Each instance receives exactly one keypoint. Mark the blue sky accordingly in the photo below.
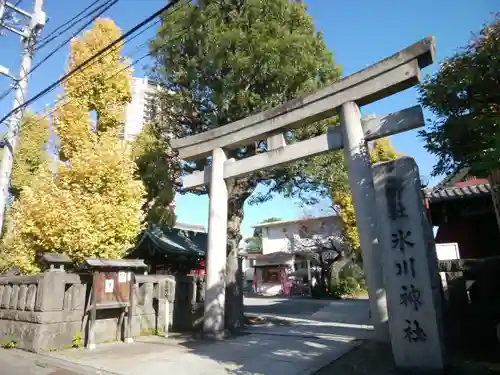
(359, 32)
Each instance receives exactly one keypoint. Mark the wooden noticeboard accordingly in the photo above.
(112, 287)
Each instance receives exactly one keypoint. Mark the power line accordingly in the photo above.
(90, 59)
(6, 92)
(68, 21)
(137, 48)
(61, 45)
(29, 36)
(65, 103)
(50, 37)
(106, 6)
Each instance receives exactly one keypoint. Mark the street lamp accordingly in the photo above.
(5, 72)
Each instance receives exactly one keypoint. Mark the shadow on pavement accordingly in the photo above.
(269, 354)
(300, 347)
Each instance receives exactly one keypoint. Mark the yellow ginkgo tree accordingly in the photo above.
(31, 152)
(91, 205)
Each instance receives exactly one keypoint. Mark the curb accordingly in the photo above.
(45, 360)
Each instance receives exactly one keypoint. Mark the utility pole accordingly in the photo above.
(28, 39)
(2, 10)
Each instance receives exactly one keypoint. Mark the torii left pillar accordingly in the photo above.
(213, 323)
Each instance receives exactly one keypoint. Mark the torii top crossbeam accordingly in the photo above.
(384, 78)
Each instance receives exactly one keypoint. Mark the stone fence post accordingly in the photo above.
(51, 288)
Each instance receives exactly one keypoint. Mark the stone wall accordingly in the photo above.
(47, 311)
(471, 291)
(189, 298)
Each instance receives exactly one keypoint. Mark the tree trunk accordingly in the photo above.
(337, 267)
(238, 193)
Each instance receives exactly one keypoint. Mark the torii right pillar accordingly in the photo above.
(357, 159)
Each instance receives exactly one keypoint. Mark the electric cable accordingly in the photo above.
(66, 41)
(65, 103)
(79, 67)
(106, 6)
(68, 25)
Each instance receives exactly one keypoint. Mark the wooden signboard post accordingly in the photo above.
(112, 288)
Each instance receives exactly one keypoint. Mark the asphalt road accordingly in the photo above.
(295, 307)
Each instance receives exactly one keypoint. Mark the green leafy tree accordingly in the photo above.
(158, 168)
(253, 244)
(228, 59)
(463, 95)
(92, 206)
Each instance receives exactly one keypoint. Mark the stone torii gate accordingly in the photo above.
(389, 76)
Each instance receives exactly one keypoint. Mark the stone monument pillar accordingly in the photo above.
(409, 264)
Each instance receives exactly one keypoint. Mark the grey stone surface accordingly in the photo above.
(7, 289)
(374, 127)
(360, 177)
(23, 293)
(31, 297)
(215, 288)
(365, 86)
(16, 362)
(46, 311)
(410, 267)
(294, 307)
(14, 295)
(256, 353)
(299, 348)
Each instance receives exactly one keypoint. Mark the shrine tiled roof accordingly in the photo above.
(173, 241)
(457, 192)
(461, 184)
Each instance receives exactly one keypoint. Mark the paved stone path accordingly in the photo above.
(263, 353)
(300, 348)
(316, 333)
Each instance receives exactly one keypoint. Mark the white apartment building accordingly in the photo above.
(141, 108)
(286, 246)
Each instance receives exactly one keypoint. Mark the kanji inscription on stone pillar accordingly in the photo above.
(409, 267)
